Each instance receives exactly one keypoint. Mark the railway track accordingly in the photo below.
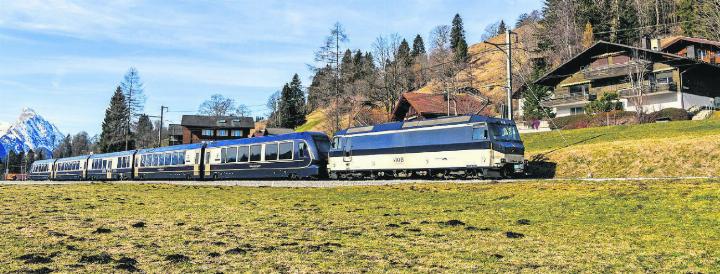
(346, 183)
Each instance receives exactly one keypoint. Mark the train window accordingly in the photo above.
(255, 153)
(479, 133)
(286, 151)
(243, 154)
(175, 161)
(302, 150)
(336, 143)
(223, 155)
(232, 155)
(207, 157)
(322, 143)
(153, 159)
(197, 158)
(271, 152)
(168, 159)
(181, 158)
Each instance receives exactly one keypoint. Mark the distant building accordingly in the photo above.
(272, 131)
(198, 129)
(700, 49)
(175, 133)
(420, 106)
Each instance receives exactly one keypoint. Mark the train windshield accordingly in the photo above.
(504, 132)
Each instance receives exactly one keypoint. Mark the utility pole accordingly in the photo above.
(508, 41)
(162, 112)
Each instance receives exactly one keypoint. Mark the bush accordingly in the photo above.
(571, 122)
(672, 114)
(617, 117)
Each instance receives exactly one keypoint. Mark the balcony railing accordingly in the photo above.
(615, 70)
(565, 99)
(649, 90)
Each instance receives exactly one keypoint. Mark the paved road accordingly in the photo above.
(328, 183)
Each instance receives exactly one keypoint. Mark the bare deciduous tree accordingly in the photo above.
(217, 105)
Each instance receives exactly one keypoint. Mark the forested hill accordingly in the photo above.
(362, 86)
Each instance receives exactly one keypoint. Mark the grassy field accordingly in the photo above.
(684, 148)
(663, 226)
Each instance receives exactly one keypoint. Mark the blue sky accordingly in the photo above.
(64, 59)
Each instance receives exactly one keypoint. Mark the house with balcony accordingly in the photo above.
(199, 128)
(646, 80)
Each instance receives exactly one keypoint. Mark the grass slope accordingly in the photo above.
(662, 226)
(684, 148)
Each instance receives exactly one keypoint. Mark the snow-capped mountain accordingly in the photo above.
(4, 127)
(30, 131)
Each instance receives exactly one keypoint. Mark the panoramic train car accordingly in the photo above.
(166, 163)
(293, 156)
(42, 170)
(454, 147)
(73, 168)
(111, 166)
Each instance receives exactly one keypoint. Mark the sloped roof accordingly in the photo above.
(682, 40)
(175, 129)
(573, 65)
(436, 104)
(217, 121)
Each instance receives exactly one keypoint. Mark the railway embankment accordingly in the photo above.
(683, 148)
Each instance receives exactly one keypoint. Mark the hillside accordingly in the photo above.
(684, 148)
(486, 72)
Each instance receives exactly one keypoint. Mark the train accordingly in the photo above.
(469, 146)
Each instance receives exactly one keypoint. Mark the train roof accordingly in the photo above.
(46, 161)
(113, 154)
(425, 123)
(76, 158)
(171, 148)
(254, 140)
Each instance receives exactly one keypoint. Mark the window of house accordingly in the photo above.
(577, 110)
(255, 153)
(271, 152)
(286, 151)
(579, 89)
(232, 155)
(207, 132)
(243, 154)
(664, 77)
(701, 54)
(236, 133)
(222, 132)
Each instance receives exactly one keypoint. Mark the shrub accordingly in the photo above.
(617, 117)
(571, 122)
(672, 114)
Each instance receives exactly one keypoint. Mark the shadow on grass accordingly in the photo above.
(539, 165)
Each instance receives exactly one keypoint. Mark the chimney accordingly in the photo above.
(655, 44)
(645, 42)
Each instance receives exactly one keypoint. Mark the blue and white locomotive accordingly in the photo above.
(469, 146)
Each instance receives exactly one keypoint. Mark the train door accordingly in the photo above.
(347, 150)
(108, 170)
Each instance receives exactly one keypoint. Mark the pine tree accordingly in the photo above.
(134, 93)
(292, 104)
(418, 47)
(16, 167)
(588, 37)
(534, 94)
(112, 138)
(687, 15)
(457, 40)
(30, 158)
(403, 54)
(144, 132)
(628, 23)
(502, 28)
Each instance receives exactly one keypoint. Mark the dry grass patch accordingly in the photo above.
(665, 226)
